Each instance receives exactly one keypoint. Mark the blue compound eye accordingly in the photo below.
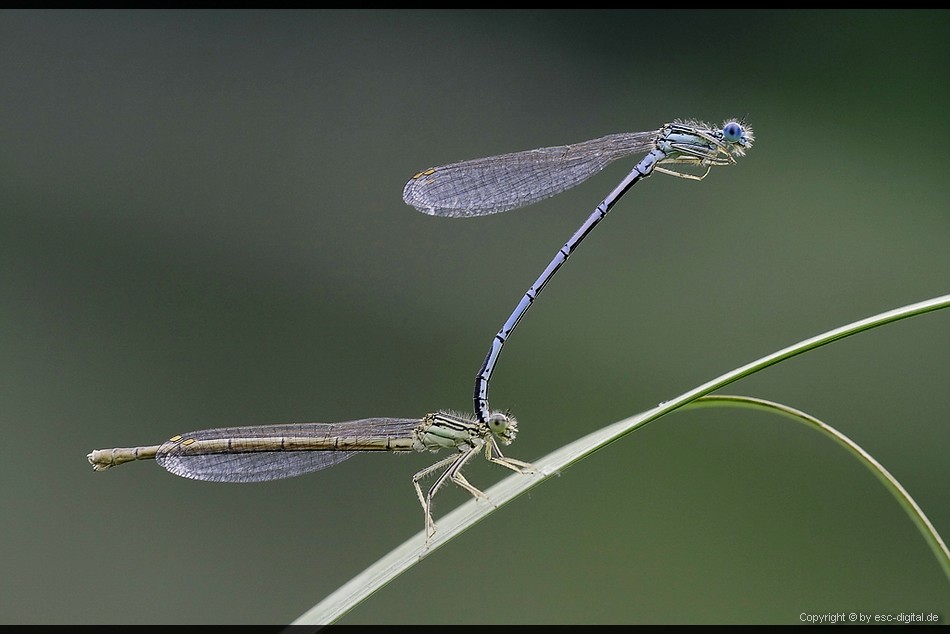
(732, 132)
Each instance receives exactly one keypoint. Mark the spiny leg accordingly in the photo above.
(693, 177)
(493, 454)
(455, 474)
(429, 524)
(451, 473)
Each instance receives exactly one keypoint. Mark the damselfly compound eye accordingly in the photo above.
(732, 132)
(498, 423)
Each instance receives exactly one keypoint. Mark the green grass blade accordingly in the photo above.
(469, 513)
(916, 514)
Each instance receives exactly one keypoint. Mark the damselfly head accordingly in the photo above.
(503, 425)
(738, 135)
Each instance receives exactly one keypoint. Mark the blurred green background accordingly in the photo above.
(201, 225)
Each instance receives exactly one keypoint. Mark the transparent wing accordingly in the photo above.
(498, 183)
(267, 461)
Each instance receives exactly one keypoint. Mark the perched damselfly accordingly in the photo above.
(494, 184)
(271, 452)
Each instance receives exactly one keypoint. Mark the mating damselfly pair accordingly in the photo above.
(459, 190)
